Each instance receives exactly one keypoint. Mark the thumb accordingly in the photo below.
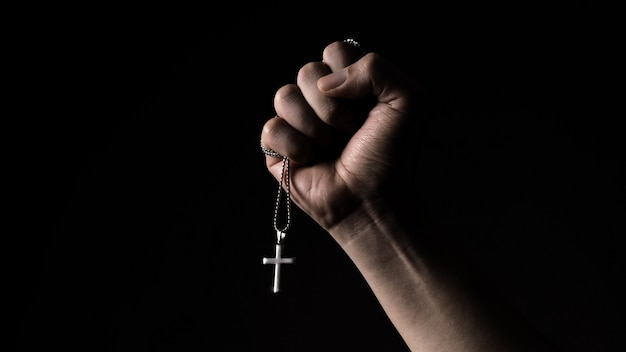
(388, 129)
(371, 76)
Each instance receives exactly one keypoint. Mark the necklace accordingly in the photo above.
(281, 232)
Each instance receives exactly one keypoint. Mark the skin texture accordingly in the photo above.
(348, 124)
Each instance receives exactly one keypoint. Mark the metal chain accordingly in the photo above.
(284, 176)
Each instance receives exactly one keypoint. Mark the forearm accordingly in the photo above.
(432, 305)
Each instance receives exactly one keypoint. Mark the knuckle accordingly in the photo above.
(311, 71)
(332, 48)
(270, 128)
(371, 60)
(286, 95)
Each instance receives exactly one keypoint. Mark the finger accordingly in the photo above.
(333, 112)
(340, 54)
(293, 108)
(285, 140)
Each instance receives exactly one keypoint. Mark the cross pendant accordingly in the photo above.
(277, 261)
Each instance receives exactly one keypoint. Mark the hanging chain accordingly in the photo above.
(286, 191)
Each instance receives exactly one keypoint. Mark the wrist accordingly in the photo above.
(369, 235)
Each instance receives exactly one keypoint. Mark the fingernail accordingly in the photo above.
(332, 80)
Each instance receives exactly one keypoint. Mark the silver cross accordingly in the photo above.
(278, 260)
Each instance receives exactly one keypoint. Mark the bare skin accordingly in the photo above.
(349, 125)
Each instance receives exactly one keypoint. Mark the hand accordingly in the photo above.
(350, 160)
(354, 175)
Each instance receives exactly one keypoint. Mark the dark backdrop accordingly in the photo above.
(144, 207)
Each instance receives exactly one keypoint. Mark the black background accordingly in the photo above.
(144, 207)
